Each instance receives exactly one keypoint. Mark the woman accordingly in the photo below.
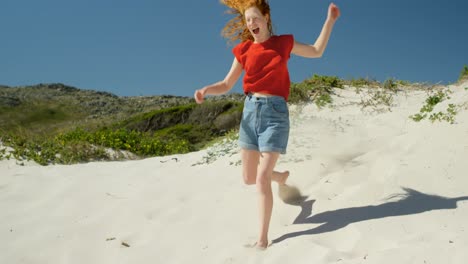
(264, 128)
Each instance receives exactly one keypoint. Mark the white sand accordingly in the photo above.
(352, 169)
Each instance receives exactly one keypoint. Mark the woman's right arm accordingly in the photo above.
(221, 87)
(317, 50)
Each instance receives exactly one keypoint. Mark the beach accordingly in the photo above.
(367, 184)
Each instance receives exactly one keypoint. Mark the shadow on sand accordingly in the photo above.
(409, 202)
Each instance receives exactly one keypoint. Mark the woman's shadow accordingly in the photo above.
(409, 202)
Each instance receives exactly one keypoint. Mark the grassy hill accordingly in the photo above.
(56, 123)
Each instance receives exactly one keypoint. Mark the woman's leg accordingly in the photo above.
(250, 163)
(250, 159)
(264, 177)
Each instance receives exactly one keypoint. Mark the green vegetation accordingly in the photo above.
(317, 89)
(390, 84)
(464, 73)
(80, 145)
(427, 109)
(57, 124)
(379, 99)
(363, 82)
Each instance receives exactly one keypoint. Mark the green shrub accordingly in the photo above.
(325, 81)
(80, 145)
(390, 84)
(428, 107)
(463, 73)
(380, 100)
(207, 112)
(317, 89)
(322, 99)
(196, 136)
(159, 119)
(299, 93)
(228, 120)
(362, 82)
(448, 117)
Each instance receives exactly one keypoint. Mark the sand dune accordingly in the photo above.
(367, 185)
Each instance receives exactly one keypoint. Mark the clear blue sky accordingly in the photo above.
(153, 47)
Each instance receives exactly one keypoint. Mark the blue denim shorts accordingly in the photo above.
(265, 124)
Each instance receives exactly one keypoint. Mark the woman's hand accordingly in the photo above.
(333, 12)
(199, 96)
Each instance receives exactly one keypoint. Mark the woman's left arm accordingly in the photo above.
(317, 50)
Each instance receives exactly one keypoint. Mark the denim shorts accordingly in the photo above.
(265, 124)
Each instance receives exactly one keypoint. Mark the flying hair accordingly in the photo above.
(236, 28)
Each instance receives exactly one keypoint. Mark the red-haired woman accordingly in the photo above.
(264, 128)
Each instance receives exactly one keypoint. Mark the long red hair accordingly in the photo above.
(236, 28)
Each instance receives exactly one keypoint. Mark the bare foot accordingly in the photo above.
(258, 245)
(261, 245)
(280, 177)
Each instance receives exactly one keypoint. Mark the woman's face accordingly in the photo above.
(257, 24)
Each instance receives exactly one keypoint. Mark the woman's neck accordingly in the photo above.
(262, 38)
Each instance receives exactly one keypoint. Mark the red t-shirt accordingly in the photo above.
(265, 65)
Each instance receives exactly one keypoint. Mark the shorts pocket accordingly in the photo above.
(280, 107)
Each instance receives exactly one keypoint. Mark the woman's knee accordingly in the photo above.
(263, 179)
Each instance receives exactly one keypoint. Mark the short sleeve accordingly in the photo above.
(237, 52)
(288, 43)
